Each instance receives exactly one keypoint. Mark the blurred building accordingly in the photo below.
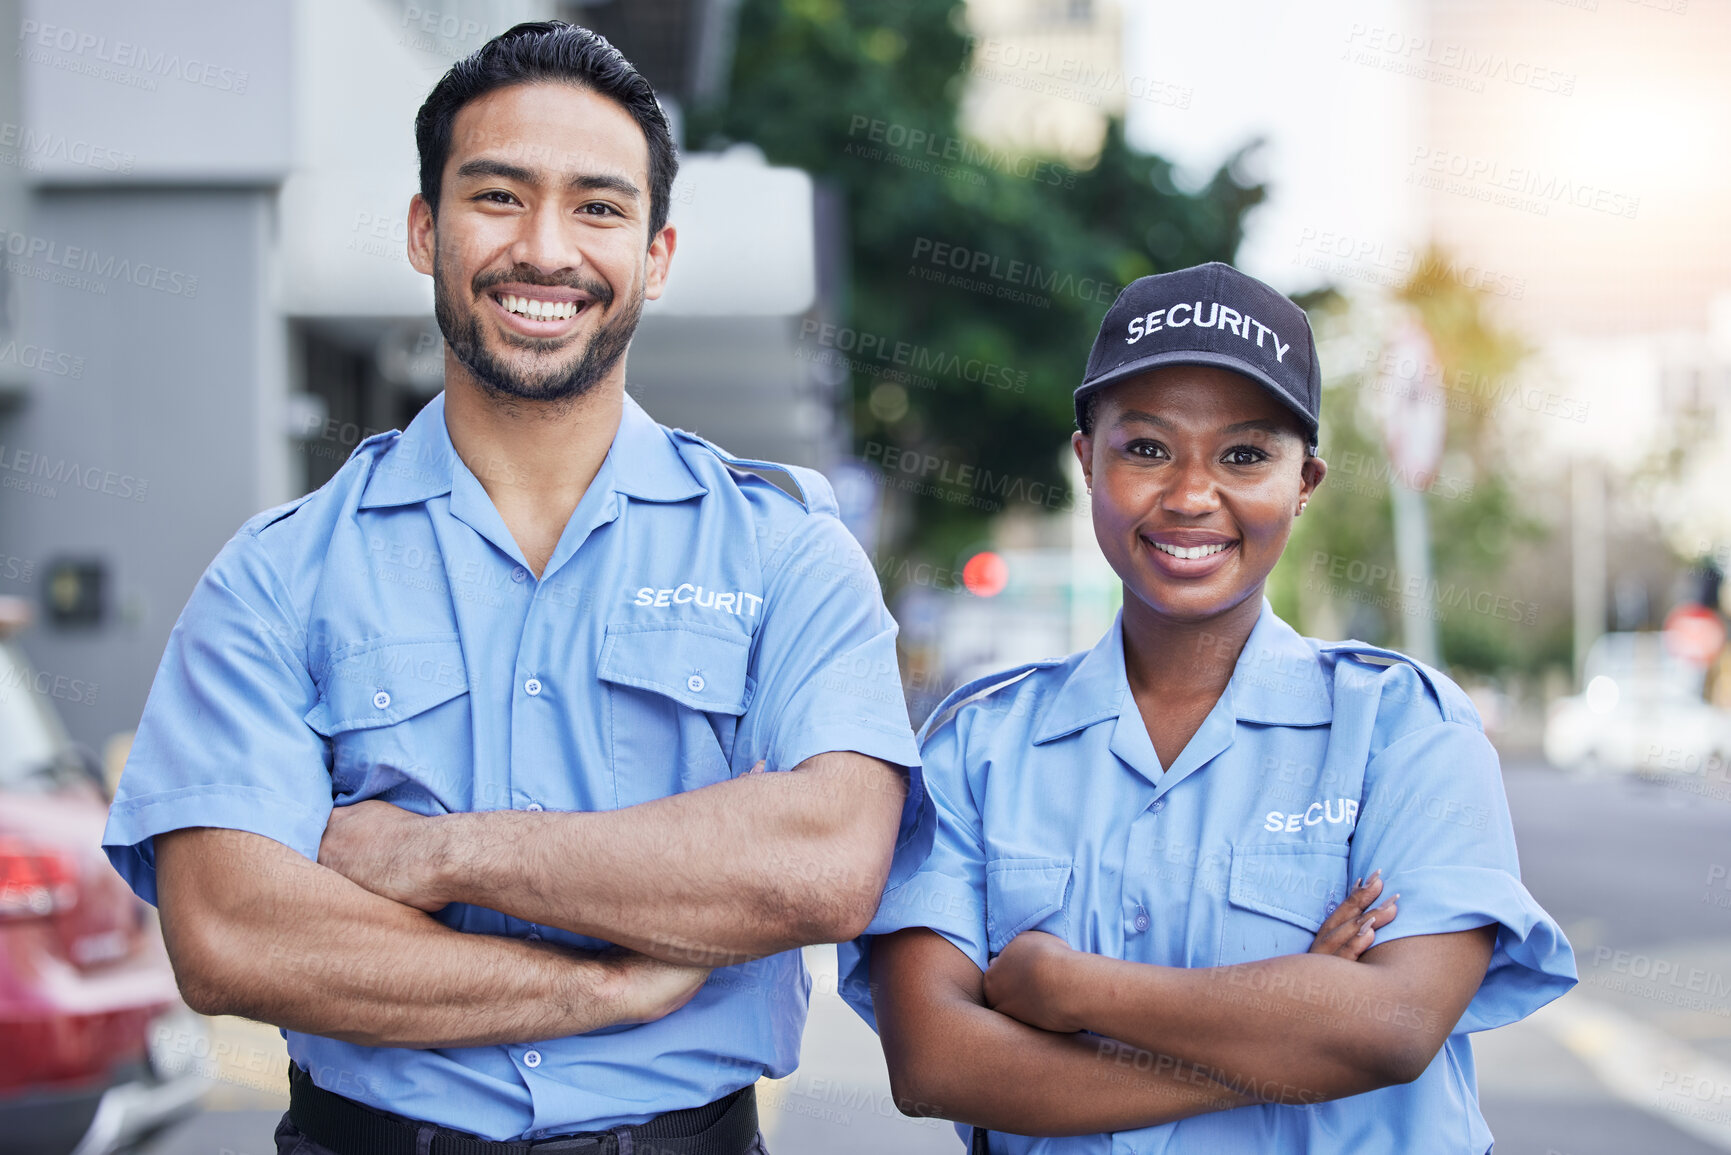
(207, 302)
(1044, 76)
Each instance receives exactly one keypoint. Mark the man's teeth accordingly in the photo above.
(537, 309)
(1192, 552)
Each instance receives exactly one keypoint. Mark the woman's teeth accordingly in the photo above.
(539, 310)
(1192, 552)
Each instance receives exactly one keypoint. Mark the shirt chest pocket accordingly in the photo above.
(1277, 899)
(1026, 894)
(396, 715)
(675, 695)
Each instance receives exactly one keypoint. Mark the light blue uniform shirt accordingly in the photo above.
(384, 638)
(1320, 764)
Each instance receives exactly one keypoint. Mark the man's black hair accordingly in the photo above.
(542, 51)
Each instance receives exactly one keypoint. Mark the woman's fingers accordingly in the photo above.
(1344, 921)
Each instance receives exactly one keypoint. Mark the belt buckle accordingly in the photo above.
(593, 1144)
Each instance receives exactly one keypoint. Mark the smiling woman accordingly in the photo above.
(1146, 921)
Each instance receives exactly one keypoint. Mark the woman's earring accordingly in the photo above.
(1301, 506)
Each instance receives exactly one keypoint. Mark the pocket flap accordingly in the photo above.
(1021, 893)
(382, 683)
(701, 668)
(1294, 883)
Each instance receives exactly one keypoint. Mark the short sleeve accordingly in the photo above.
(223, 741)
(947, 893)
(1435, 820)
(826, 672)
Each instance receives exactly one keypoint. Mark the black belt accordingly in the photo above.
(727, 1126)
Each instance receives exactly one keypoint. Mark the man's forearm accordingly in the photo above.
(758, 864)
(254, 929)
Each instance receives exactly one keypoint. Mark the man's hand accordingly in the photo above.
(652, 989)
(386, 849)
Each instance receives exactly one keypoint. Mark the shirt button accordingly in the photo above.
(532, 937)
(532, 687)
(1159, 805)
(534, 806)
(381, 699)
(519, 574)
(532, 1058)
(1141, 918)
(695, 683)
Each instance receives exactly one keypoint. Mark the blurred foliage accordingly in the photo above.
(1476, 523)
(813, 82)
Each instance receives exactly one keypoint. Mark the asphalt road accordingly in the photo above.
(1636, 1059)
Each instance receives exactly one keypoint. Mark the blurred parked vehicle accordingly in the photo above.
(1641, 711)
(85, 984)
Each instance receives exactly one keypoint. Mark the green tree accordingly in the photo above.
(864, 95)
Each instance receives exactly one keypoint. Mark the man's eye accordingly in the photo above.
(496, 196)
(1245, 455)
(598, 209)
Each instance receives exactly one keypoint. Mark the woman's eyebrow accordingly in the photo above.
(1259, 425)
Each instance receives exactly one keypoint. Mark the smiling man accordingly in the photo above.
(489, 843)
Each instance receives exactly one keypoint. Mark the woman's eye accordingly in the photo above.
(1152, 449)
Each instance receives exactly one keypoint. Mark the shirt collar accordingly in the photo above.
(1277, 681)
(420, 463)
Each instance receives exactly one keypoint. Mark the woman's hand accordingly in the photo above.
(1350, 931)
(1026, 981)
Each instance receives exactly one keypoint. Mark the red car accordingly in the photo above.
(91, 1025)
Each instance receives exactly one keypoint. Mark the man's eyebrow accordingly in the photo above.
(505, 170)
(616, 184)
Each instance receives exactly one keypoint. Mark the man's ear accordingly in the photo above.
(1082, 445)
(660, 257)
(423, 241)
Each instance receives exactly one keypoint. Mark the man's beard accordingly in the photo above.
(462, 330)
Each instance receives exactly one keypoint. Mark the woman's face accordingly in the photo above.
(1197, 473)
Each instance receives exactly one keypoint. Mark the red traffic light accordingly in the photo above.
(985, 575)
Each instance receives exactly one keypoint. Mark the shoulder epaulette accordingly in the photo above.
(269, 517)
(1451, 699)
(980, 688)
(806, 486)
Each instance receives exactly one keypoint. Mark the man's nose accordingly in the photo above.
(546, 241)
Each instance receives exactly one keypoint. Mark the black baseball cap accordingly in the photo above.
(1229, 319)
